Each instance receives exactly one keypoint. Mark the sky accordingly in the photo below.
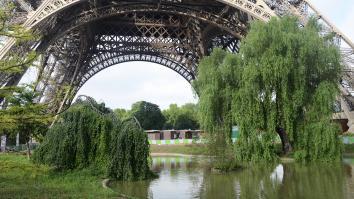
(121, 85)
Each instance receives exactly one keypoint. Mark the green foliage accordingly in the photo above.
(77, 140)
(13, 63)
(289, 80)
(121, 113)
(284, 77)
(148, 114)
(24, 116)
(9, 29)
(319, 139)
(184, 117)
(84, 138)
(218, 76)
(129, 153)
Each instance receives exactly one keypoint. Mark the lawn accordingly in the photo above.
(188, 149)
(19, 178)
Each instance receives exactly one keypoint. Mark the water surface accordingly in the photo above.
(190, 177)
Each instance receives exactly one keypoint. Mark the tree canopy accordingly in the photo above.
(282, 83)
(148, 114)
(184, 117)
(85, 137)
(24, 116)
(218, 78)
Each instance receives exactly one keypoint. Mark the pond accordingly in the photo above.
(190, 177)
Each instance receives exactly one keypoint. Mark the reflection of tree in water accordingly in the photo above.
(217, 185)
(349, 179)
(257, 182)
(253, 182)
(287, 181)
(313, 181)
(138, 189)
(298, 181)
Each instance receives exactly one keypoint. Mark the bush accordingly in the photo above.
(129, 153)
(83, 138)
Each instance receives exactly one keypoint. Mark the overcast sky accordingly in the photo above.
(121, 85)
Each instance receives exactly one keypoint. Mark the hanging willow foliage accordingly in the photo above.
(77, 140)
(289, 83)
(84, 138)
(218, 77)
(129, 153)
(282, 83)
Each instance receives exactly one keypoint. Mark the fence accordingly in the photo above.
(21, 147)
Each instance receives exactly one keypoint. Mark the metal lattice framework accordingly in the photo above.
(83, 37)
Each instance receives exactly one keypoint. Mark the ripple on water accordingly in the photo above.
(186, 177)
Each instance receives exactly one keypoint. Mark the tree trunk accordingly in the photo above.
(3, 143)
(28, 150)
(287, 148)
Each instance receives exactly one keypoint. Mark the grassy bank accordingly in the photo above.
(201, 149)
(188, 149)
(19, 178)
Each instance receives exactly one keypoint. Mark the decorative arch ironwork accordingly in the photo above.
(82, 37)
(173, 35)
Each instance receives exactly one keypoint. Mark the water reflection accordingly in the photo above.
(185, 177)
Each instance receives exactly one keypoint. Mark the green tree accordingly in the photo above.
(148, 114)
(24, 116)
(218, 78)
(130, 153)
(85, 137)
(80, 137)
(13, 64)
(121, 113)
(289, 83)
(171, 115)
(184, 117)
(282, 83)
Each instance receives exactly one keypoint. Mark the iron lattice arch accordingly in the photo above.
(78, 46)
(83, 37)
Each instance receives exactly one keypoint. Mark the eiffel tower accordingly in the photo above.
(80, 38)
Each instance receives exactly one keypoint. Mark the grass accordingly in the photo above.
(201, 149)
(188, 149)
(19, 178)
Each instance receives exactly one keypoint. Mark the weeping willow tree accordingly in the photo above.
(283, 83)
(83, 137)
(289, 83)
(78, 139)
(129, 153)
(218, 77)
